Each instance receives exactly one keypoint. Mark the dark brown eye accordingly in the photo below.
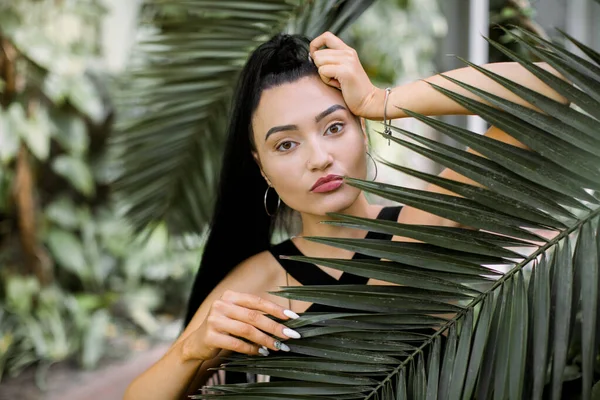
(335, 128)
(285, 146)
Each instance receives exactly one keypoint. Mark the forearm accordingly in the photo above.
(422, 98)
(425, 218)
(168, 378)
(492, 133)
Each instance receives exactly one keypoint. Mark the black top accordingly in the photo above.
(311, 274)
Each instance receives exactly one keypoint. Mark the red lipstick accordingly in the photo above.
(327, 183)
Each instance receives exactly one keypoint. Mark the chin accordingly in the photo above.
(337, 202)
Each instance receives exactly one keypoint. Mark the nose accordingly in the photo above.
(319, 158)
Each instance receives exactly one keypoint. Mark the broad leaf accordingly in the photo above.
(496, 306)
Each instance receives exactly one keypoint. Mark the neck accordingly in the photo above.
(311, 225)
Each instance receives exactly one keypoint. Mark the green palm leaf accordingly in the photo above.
(515, 334)
(173, 102)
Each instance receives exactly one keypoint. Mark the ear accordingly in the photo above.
(363, 125)
(257, 160)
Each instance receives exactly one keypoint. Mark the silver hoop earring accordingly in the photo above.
(374, 164)
(265, 202)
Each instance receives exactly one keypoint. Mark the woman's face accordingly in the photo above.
(303, 131)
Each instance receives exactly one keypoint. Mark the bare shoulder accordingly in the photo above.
(264, 263)
(262, 266)
(256, 275)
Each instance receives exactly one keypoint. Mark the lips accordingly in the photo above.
(326, 179)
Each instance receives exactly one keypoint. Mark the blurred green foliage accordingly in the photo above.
(415, 25)
(105, 280)
(505, 17)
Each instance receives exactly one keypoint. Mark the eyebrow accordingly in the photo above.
(319, 117)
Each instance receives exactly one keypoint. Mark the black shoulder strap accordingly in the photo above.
(305, 273)
(388, 214)
(310, 274)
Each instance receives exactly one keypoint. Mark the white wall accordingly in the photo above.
(118, 33)
(479, 22)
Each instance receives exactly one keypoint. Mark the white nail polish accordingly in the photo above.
(291, 314)
(263, 351)
(285, 347)
(291, 333)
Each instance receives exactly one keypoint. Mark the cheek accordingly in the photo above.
(285, 173)
(354, 157)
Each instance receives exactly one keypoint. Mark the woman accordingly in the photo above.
(296, 127)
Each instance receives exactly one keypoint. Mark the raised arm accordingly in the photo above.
(422, 98)
(340, 67)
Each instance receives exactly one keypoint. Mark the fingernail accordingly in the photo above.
(263, 351)
(279, 345)
(291, 333)
(284, 347)
(291, 314)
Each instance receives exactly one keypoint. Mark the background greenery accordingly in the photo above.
(73, 272)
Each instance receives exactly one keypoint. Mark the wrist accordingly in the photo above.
(374, 108)
(186, 354)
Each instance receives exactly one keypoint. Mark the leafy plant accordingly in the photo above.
(71, 270)
(50, 105)
(107, 279)
(522, 333)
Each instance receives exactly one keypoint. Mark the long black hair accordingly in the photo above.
(240, 226)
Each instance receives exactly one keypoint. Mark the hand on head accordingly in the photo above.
(340, 67)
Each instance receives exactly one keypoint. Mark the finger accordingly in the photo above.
(329, 56)
(260, 321)
(244, 330)
(254, 302)
(228, 342)
(327, 39)
(330, 74)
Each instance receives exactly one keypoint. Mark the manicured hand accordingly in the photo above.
(340, 67)
(240, 314)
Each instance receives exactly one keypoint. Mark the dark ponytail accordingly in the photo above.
(240, 226)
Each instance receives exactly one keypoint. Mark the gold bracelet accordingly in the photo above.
(386, 123)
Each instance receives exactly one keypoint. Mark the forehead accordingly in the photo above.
(297, 103)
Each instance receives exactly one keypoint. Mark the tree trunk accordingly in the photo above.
(36, 260)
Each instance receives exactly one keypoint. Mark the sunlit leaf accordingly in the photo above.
(77, 172)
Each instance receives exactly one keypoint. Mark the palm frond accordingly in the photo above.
(173, 101)
(513, 334)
